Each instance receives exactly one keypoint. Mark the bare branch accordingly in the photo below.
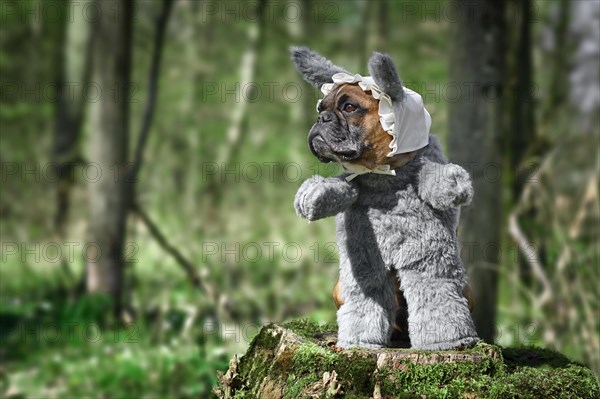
(181, 260)
(532, 258)
(161, 25)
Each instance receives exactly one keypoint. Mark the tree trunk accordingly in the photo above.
(475, 131)
(559, 64)
(522, 130)
(584, 78)
(108, 199)
(69, 110)
(521, 135)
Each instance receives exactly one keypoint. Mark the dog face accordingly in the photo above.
(348, 129)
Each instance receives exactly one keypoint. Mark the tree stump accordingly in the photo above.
(299, 359)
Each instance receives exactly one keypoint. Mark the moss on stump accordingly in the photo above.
(299, 359)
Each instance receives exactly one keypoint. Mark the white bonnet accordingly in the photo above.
(407, 121)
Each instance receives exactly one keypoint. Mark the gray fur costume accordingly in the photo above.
(404, 223)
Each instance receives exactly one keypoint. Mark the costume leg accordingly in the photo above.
(366, 316)
(438, 313)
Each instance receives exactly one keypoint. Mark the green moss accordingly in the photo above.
(283, 362)
(516, 358)
(255, 365)
(542, 373)
(310, 357)
(573, 381)
(356, 368)
(266, 338)
(490, 373)
(295, 386)
(309, 361)
(527, 373)
(443, 380)
(308, 329)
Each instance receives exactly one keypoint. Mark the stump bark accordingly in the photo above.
(299, 359)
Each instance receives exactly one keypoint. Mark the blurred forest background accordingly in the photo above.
(151, 150)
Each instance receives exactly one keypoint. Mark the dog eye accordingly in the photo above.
(350, 107)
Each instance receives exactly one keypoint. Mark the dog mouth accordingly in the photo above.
(328, 152)
(320, 149)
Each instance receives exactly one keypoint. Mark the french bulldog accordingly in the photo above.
(396, 216)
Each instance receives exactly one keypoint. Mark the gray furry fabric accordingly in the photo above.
(383, 71)
(313, 67)
(406, 224)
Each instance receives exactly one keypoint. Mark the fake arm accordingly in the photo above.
(444, 186)
(320, 197)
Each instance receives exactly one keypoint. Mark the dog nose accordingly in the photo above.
(312, 134)
(326, 116)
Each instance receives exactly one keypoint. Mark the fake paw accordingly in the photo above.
(460, 190)
(450, 187)
(310, 197)
(319, 197)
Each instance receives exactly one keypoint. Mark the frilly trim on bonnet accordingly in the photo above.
(408, 124)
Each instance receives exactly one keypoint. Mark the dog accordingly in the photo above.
(396, 207)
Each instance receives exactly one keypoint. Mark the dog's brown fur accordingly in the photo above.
(377, 140)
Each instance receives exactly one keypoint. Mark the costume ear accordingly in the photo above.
(383, 71)
(313, 67)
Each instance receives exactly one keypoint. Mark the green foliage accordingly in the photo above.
(74, 349)
(120, 371)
